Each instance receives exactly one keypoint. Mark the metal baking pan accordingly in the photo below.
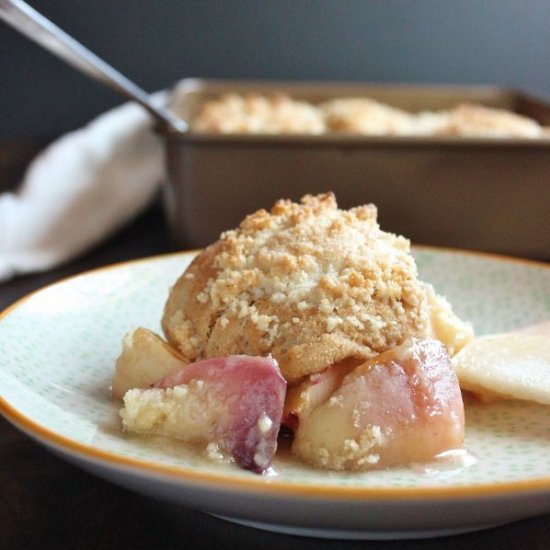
(481, 194)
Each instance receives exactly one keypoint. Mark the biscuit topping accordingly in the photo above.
(308, 282)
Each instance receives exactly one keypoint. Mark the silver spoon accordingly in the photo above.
(35, 26)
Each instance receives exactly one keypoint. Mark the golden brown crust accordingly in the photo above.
(477, 121)
(255, 113)
(366, 116)
(308, 282)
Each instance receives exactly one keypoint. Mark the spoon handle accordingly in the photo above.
(35, 26)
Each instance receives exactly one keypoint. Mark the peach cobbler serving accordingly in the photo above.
(308, 319)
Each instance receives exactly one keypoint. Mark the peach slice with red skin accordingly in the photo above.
(235, 402)
(403, 406)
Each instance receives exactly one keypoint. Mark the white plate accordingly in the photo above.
(57, 351)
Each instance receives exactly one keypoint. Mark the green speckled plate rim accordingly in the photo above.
(181, 475)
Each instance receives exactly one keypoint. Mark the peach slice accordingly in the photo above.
(514, 365)
(234, 403)
(145, 358)
(403, 406)
(316, 389)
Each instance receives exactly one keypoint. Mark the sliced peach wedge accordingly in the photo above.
(234, 403)
(403, 406)
(512, 365)
(145, 358)
(314, 390)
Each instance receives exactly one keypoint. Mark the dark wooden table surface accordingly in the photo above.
(48, 503)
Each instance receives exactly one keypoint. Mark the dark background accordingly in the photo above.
(157, 42)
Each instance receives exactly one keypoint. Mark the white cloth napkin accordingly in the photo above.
(79, 190)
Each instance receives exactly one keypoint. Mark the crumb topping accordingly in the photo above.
(254, 113)
(355, 454)
(280, 114)
(264, 423)
(308, 282)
